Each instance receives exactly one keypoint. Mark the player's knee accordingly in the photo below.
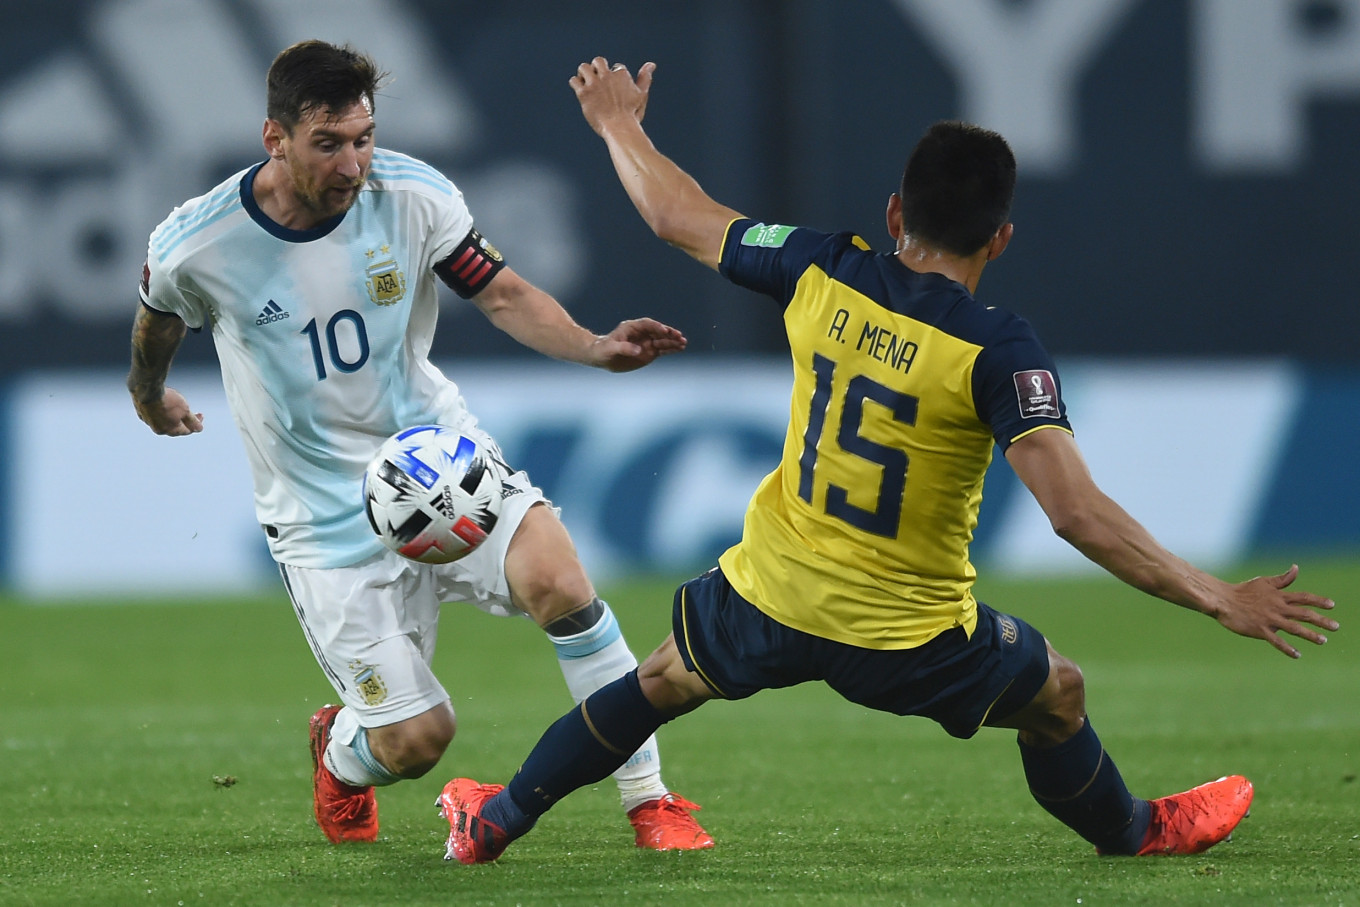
(1070, 705)
(1057, 711)
(413, 747)
(416, 760)
(1064, 703)
(555, 591)
(545, 576)
(669, 686)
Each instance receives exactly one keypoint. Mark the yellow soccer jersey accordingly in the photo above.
(902, 381)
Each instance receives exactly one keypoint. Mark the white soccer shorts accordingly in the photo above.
(372, 626)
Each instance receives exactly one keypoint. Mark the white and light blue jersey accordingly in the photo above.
(323, 337)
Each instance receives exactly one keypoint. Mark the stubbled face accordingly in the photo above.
(328, 155)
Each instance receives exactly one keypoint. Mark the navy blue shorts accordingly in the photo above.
(956, 681)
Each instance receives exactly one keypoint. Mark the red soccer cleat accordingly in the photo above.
(345, 813)
(666, 824)
(1194, 821)
(472, 839)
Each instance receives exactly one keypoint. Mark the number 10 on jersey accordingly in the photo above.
(359, 343)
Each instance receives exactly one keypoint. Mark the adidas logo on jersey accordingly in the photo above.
(272, 312)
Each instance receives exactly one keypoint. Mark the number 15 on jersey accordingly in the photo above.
(887, 513)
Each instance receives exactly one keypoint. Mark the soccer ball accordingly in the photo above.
(433, 494)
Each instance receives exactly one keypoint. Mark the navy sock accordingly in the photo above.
(582, 747)
(1077, 782)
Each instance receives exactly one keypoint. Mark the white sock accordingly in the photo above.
(591, 659)
(349, 757)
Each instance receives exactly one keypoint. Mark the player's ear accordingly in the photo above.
(894, 217)
(272, 137)
(1000, 239)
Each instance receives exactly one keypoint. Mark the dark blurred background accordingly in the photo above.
(1187, 180)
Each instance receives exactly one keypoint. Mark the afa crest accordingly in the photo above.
(386, 282)
(490, 250)
(369, 682)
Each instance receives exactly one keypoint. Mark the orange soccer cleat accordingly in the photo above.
(345, 813)
(472, 839)
(1194, 821)
(666, 824)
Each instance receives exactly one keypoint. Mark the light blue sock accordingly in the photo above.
(353, 762)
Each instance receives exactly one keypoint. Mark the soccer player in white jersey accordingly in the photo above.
(315, 271)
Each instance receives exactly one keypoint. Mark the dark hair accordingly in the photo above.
(314, 75)
(957, 187)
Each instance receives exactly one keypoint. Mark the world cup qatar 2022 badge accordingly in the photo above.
(1038, 394)
(369, 682)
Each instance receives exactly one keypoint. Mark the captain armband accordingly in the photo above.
(471, 265)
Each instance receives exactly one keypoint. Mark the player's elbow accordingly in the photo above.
(1076, 509)
(693, 223)
(698, 246)
(1073, 523)
(666, 224)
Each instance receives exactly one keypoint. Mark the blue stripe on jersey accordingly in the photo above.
(220, 194)
(395, 160)
(391, 165)
(226, 209)
(435, 181)
(211, 209)
(387, 165)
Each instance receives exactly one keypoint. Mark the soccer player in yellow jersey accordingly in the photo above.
(853, 564)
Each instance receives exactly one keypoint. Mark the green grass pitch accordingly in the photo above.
(156, 753)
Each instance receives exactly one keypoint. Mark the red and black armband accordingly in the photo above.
(471, 265)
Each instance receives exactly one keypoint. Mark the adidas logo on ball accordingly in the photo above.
(445, 504)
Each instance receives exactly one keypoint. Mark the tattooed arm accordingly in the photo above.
(155, 338)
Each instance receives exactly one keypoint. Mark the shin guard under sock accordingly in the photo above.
(582, 747)
(1077, 782)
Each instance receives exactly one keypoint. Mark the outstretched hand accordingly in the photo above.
(635, 343)
(1261, 608)
(609, 93)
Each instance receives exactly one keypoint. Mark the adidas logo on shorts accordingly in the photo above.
(271, 312)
